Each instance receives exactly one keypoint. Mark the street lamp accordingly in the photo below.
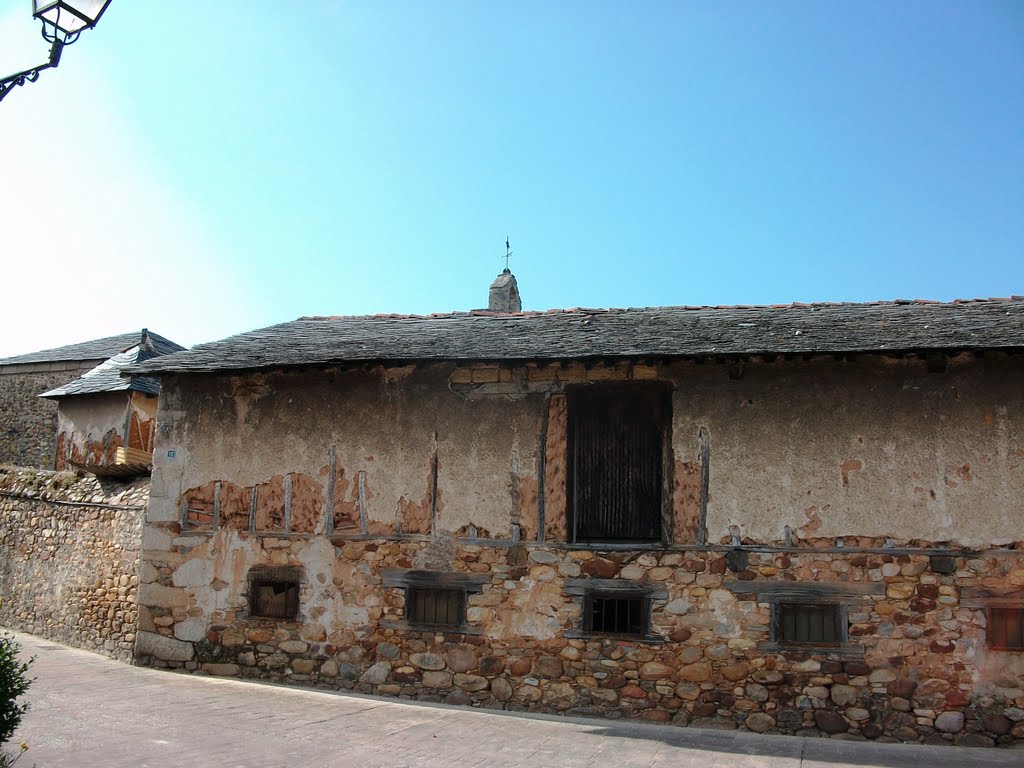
(63, 21)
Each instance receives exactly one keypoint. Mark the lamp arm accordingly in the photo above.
(31, 75)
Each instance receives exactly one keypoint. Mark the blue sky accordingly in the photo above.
(207, 168)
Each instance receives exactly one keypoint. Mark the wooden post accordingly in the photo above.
(216, 506)
(252, 509)
(704, 453)
(331, 478)
(364, 524)
(288, 503)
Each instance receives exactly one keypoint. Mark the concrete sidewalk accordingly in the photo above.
(90, 711)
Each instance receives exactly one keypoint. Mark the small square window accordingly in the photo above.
(616, 614)
(435, 607)
(798, 624)
(274, 592)
(1006, 628)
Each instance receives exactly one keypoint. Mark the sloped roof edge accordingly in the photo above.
(610, 333)
(107, 377)
(96, 349)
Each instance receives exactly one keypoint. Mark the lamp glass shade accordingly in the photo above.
(69, 16)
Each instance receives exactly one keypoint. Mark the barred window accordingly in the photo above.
(433, 600)
(435, 607)
(616, 614)
(809, 624)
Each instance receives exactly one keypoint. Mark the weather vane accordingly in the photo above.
(508, 252)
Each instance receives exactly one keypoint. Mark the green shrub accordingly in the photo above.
(14, 681)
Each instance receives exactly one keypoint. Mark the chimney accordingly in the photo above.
(504, 294)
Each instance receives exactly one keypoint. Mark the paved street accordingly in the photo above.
(91, 711)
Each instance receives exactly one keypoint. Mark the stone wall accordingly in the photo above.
(887, 484)
(28, 423)
(69, 558)
(924, 672)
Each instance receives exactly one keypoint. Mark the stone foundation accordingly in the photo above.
(916, 666)
(70, 558)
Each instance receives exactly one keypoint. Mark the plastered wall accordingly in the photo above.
(393, 428)
(878, 447)
(90, 428)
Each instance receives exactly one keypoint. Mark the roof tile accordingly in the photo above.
(611, 333)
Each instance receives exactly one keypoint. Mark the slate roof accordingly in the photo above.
(97, 349)
(612, 333)
(107, 376)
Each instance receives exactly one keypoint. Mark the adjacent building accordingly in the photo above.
(106, 422)
(28, 424)
(800, 518)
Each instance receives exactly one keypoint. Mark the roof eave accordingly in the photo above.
(229, 368)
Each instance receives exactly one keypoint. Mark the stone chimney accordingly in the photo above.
(504, 294)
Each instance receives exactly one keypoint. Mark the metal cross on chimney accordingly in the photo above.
(508, 252)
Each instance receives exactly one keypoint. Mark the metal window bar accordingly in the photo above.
(436, 607)
(809, 624)
(616, 615)
(617, 451)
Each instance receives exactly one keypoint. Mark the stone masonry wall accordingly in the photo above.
(924, 674)
(28, 423)
(877, 485)
(69, 558)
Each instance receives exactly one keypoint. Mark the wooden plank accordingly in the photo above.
(433, 484)
(667, 473)
(118, 469)
(288, 503)
(804, 591)
(400, 577)
(704, 457)
(331, 481)
(364, 523)
(252, 508)
(542, 457)
(216, 505)
(133, 456)
(986, 597)
(654, 590)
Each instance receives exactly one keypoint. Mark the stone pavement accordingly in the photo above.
(88, 710)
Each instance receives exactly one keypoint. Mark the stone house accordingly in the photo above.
(800, 518)
(28, 424)
(106, 422)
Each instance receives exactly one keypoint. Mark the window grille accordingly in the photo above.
(1006, 628)
(274, 593)
(435, 607)
(810, 624)
(617, 436)
(616, 614)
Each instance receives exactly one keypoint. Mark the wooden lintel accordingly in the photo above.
(805, 591)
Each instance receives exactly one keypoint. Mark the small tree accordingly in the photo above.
(14, 681)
